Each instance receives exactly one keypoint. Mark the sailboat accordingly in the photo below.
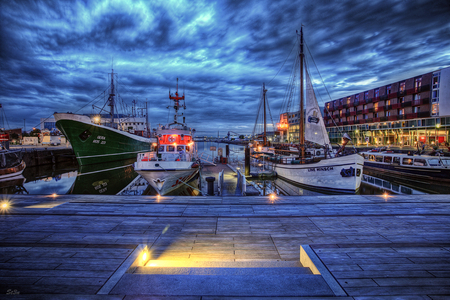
(329, 173)
(93, 143)
(174, 163)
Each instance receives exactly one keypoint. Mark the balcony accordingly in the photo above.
(376, 99)
(376, 120)
(351, 122)
(406, 104)
(341, 107)
(383, 97)
(392, 95)
(362, 102)
(420, 101)
(377, 109)
(355, 103)
(370, 110)
(412, 116)
(392, 118)
(383, 119)
(353, 113)
(358, 112)
(401, 117)
(396, 106)
(365, 111)
(424, 114)
(387, 107)
(401, 94)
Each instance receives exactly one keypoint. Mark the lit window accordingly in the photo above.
(388, 102)
(388, 90)
(401, 112)
(366, 95)
(416, 109)
(416, 96)
(377, 93)
(401, 100)
(435, 109)
(402, 86)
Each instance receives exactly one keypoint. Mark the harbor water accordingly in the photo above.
(119, 178)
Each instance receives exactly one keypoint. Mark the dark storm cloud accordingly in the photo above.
(56, 55)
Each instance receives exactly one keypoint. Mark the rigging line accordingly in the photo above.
(283, 62)
(328, 112)
(257, 114)
(270, 113)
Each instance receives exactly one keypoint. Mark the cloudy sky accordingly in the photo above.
(55, 56)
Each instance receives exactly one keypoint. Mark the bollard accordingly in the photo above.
(247, 161)
(210, 181)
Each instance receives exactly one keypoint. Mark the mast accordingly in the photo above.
(176, 99)
(112, 94)
(264, 103)
(302, 117)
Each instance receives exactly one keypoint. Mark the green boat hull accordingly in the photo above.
(94, 144)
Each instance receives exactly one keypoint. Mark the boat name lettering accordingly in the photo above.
(95, 142)
(100, 137)
(320, 169)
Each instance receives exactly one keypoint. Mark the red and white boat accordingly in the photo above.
(174, 163)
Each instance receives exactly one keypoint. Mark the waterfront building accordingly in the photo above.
(403, 113)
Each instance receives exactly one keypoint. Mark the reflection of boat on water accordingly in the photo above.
(390, 186)
(13, 185)
(104, 179)
(94, 143)
(174, 163)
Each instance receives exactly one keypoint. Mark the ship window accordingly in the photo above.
(420, 162)
(366, 156)
(396, 160)
(446, 162)
(161, 149)
(358, 172)
(434, 162)
(372, 158)
(379, 158)
(188, 148)
(180, 148)
(407, 161)
(388, 159)
(85, 135)
(170, 148)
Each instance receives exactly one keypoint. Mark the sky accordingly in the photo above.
(55, 56)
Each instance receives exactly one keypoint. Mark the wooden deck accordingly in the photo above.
(375, 247)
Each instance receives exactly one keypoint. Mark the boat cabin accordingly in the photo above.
(407, 160)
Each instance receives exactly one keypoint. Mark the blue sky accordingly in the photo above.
(55, 55)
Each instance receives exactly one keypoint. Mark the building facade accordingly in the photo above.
(402, 113)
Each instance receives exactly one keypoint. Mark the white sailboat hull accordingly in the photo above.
(166, 176)
(329, 174)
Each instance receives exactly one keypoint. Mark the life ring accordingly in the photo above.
(171, 139)
(318, 153)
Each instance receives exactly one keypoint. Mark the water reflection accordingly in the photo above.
(120, 178)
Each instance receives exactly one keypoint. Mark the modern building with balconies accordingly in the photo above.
(402, 113)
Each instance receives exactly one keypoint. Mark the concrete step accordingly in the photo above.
(223, 271)
(229, 278)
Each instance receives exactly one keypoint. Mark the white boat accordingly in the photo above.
(329, 172)
(174, 163)
(415, 168)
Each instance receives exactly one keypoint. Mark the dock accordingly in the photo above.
(90, 247)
